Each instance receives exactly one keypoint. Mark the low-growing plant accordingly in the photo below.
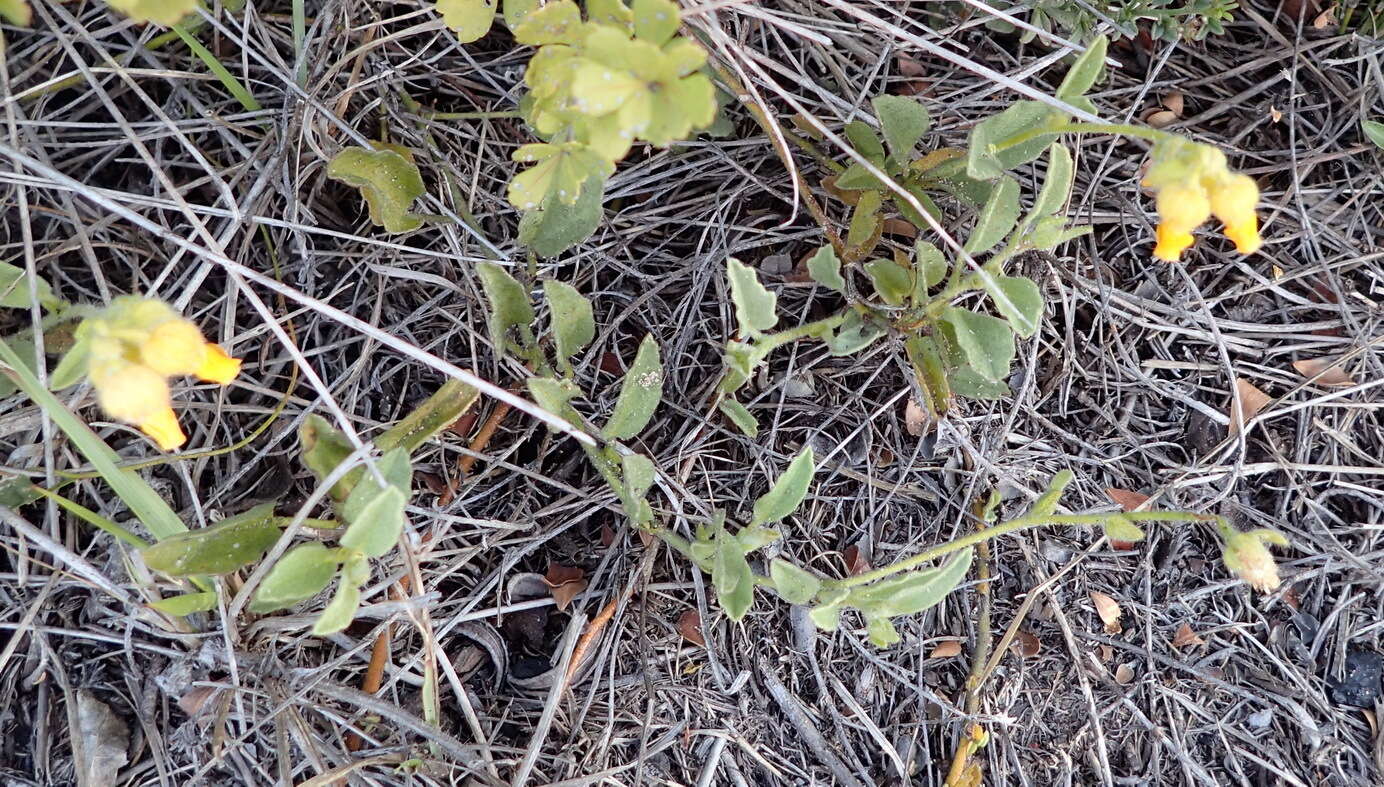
(1167, 20)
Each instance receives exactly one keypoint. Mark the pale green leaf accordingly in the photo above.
(551, 394)
(164, 12)
(1085, 71)
(892, 281)
(855, 334)
(862, 236)
(1019, 300)
(655, 21)
(374, 513)
(640, 393)
(17, 12)
(996, 218)
(1047, 502)
(1119, 527)
(388, 182)
(24, 348)
(613, 13)
(219, 549)
(825, 268)
(915, 591)
(1056, 185)
(639, 473)
(516, 11)
(599, 89)
(574, 326)
(509, 304)
(14, 288)
(469, 19)
(558, 170)
(865, 142)
(731, 576)
(881, 631)
(903, 121)
(554, 226)
(756, 537)
(339, 611)
(754, 304)
(739, 415)
(930, 264)
(987, 342)
(1015, 136)
(186, 604)
(857, 178)
(796, 585)
(1374, 130)
(73, 366)
(323, 448)
(299, 575)
(787, 492)
(439, 411)
(554, 23)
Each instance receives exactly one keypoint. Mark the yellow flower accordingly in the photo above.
(131, 349)
(1248, 557)
(1193, 183)
(136, 394)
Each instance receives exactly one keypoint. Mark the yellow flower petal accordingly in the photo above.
(217, 366)
(1233, 200)
(1246, 235)
(174, 347)
(163, 427)
(1171, 243)
(129, 392)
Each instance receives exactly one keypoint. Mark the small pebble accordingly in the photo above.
(1359, 685)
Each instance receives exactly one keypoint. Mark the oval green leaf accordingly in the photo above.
(754, 304)
(795, 584)
(640, 394)
(220, 549)
(300, 574)
(787, 492)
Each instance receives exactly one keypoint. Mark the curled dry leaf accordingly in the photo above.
(1129, 501)
(1161, 118)
(946, 649)
(1173, 101)
(1109, 611)
(1027, 644)
(101, 741)
(566, 582)
(690, 627)
(1124, 674)
(1246, 402)
(1186, 638)
(857, 562)
(915, 419)
(1326, 371)
(195, 699)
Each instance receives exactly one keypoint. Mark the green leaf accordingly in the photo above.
(892, 281)
(469, 19)
(1374, 130)
(375, 514)
(552, 395)
(299, 575)
(164, 12)
(1119, 527)
(436, 413)
(865, 142)
(945, 170)
(613, 13)
(640, 393)
(388, 181)
(730, 574)
(997, 218)
(14, 288)
(1085, 71)
(1056, 185)
(355, 569)
(1019, 300)
(186, 604)
(987, 342)
(856, 178)
(903, 122)
(825, 268)
(754, 304)
(1047, 502)
(881, 632)
(24, 348)
(323, 448)
(73, 366)
(17, 12)
(741, 359)
(866, 225)
(220, 549)
(16, 491)
(554, 23)
(554, 227)
(915, 591)
(655, 21)
(1009, 139)
(796, 585)
(756, 537)
(827, 614)
(516, 11)
(966, 382)
(929, 263)
(574, 326)
(339, 611)
(855, 334)
(509, 305)
(639, 473)
(739, 415)
(561, 170)
(787, 492)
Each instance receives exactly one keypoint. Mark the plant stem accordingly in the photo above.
(1012, 526)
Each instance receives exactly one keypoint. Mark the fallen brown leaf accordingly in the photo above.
(1106, 653)
(1330, 373)
(856, 562)
(1129, 501)
(1124, 674)
(690, 627)
(195, 699)
(1246, 402)
(1108, 610)
(946, 649)
(1174, 101)
(1186, 638)
(1161, 118)
(607, 536)
(1027, 644)
(566, 582)
(915, 419)
(900, 227)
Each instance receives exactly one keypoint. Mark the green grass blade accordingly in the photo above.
(237, 90)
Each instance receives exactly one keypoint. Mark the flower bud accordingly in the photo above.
(1182, 207)
(1248, 557)
(1233, 199)
(136, 394)
(174, 347)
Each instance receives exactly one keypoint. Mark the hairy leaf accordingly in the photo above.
(14, 288)
(219, 549)
(164, 12)
(739, 415)
(1085, 71)
(903, 121)
(754, 304)
(561, 170)
(787, 492)
(1056, 185)
(987, 342)
(554, 226)
(996, 219)
(796, 585)
(892, 281)
(640, 393)
(339, 611)
(509, 304)
(375, 513)
(186, 604)
(300, 574)
(1009, 139)
(915, 591)
(1019, 300)
(469, 19)
(573, 324)
(825, 268)
(387, 180)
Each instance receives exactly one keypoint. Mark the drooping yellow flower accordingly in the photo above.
(131, 348)
(1193, 183)
(1247, 556)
